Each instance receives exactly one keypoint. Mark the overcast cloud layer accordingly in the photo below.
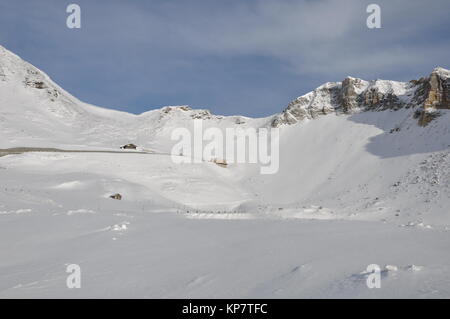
(233, 57)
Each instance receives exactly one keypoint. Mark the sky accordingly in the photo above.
(229, 56)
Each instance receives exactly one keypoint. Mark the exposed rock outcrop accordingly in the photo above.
(349, 93)
(353, 95)
(323, 100)
(201, 115)
(438, 96)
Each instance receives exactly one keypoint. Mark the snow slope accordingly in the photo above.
(354, 167)
(360, 182)
(33, 107)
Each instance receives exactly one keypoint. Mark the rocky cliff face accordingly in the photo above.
(438, 96)
(323, 100)
(354, 95)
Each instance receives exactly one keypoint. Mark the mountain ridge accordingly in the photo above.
(354, 94)
(376, 94)
(33, 108)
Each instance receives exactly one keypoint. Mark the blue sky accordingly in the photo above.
(232, 57)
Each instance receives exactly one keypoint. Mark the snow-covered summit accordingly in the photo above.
(442, 72)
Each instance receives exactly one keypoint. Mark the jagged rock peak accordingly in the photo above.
(439, 90)
(441, 72)
(355, 95)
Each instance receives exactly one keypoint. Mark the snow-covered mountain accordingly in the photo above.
(29, 96)
(33, 108)
(382, 128)
(370, 159)
(426, 95)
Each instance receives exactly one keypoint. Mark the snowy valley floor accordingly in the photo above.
(55, 210)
